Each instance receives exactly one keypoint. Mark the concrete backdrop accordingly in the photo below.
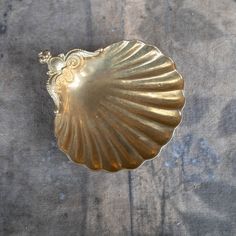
(190, 189)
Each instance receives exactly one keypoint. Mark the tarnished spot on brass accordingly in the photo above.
(115, 107)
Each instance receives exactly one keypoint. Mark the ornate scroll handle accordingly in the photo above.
(72, 59)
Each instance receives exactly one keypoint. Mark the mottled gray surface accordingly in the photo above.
(190, 189)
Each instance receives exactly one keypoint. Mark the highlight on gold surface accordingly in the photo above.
(115, 107)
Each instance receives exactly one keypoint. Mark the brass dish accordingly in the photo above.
(115, 107)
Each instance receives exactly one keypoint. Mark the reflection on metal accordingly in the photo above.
(115, 107)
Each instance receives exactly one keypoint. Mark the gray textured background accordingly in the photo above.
(190, 189)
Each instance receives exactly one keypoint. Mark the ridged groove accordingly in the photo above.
(112, 155)
(167, 117)
(169, 100)
(143, 144)
(166, 82)
(123, 145)
(117, 145)
(158, 132)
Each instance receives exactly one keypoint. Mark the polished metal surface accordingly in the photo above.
(115, 107)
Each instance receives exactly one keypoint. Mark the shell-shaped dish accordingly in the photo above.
(116, 107)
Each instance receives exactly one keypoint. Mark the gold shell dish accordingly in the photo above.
(115, 107)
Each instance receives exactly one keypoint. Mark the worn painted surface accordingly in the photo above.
(190, 189)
